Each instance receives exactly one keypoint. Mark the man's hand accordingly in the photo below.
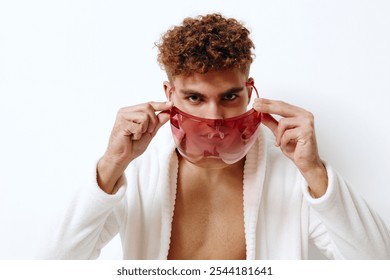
(133, 130)
(295, 135)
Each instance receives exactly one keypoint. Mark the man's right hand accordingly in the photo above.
(133, 130)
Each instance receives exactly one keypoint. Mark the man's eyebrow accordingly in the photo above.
(194, 92)
(191, 92)
(232, 90)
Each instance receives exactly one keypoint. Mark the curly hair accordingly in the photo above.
(203, 44)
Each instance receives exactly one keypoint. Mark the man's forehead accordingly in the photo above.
(210, 75)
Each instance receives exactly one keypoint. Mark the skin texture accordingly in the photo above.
(203, 226)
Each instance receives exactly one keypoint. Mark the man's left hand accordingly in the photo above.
(295, 135)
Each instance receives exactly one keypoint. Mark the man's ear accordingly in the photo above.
(250, 82)
(167, 89)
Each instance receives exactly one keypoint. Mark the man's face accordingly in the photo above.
(214, 95)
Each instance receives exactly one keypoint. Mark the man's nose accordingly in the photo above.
(214, 111)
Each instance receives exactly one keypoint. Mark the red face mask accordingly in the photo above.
(209, 142)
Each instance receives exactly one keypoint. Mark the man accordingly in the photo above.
(185, 191)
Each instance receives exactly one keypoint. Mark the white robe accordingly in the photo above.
(280, 216)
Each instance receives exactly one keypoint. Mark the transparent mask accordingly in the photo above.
(206, 142)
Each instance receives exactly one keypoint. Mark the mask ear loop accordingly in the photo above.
(252, 84)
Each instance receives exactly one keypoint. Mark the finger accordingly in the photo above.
(270, 122)
(140, 121)
(161, 106)
(135, 124)
(135, 130)
(162, 117)
(152, 105)
(156, 122)
(285, 124)
(289, 137)
(150, 110)
(276, 107)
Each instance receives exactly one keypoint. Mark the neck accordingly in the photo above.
(212, 174)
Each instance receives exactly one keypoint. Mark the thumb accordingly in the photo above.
(162, 117)
(270, 122)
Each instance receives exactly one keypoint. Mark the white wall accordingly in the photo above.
(66, 67)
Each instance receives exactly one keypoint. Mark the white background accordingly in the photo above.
(66, 67)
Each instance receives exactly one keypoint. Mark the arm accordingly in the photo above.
(341, 223)
(95, 216)
(90, 221)
(343, 226)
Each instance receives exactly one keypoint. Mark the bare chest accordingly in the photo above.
(208, 221)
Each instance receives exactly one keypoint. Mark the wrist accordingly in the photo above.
(108, 173)
(317, 180)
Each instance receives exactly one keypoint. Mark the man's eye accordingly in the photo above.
(194, 98)
(230, 97)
